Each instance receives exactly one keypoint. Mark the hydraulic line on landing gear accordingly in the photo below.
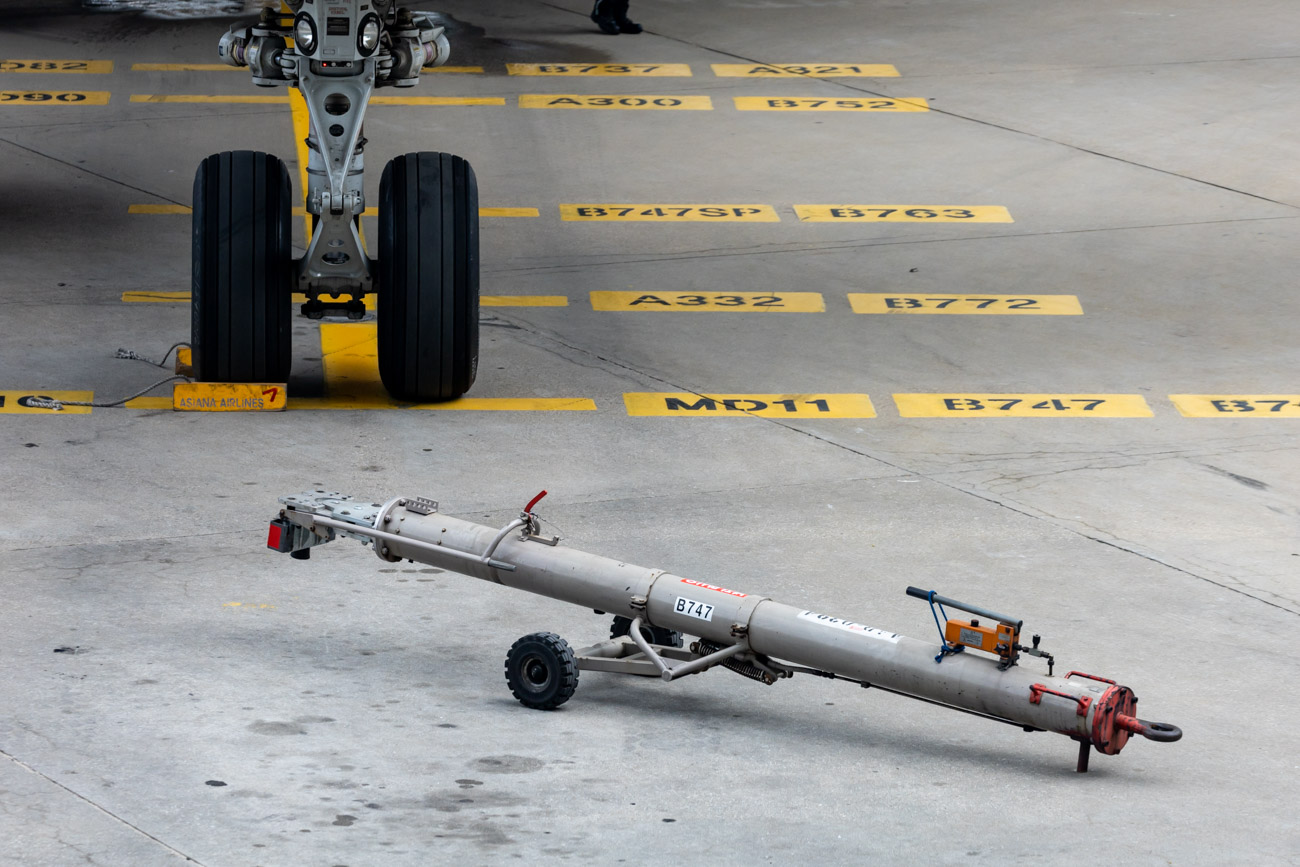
(752, 635)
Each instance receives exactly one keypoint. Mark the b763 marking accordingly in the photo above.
(936, 303)
(748, 302)
(1022, 406)
(1237, 405)
(670, 213)
(902, 214)
(762, 405)
(615, 101)
(88, 66)
(53, 97)
(776, 103)
(644, 69)
(804, 70)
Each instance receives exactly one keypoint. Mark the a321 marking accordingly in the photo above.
(786, 70)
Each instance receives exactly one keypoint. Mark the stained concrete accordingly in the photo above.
(172, 690)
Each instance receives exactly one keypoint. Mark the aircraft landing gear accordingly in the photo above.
(427, 274)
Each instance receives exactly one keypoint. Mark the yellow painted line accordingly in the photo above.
(687, 302)
(615, 101)
(902, 214)
(687, 404)
(437, 100)
(247, 606)
(804, 70)
(984, 405)
(523, 301)
(509, 212)
(301, 129)
(642, 69)
(1237, 405)
(232, 99)
(186, 67)
(159, 209)
(445, 70)
(184, 361)
(974, 304)
(780, 103)
(53, 97)
(17, 402)
(149, 403)
(350, 356)
(669, 213)
(48, 66)
(229, 397)
(156, 297)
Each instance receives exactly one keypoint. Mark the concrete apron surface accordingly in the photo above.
(171, 690)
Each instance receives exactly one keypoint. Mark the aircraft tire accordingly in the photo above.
(428, 275)
(242, 269)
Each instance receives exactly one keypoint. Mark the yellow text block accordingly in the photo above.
(53, 97)
(762, 405)
(644, 69)
(983, 405)
(986, 305)
(686, 302)
(902, 214)
(781, 103)
(804, 70)
(88, 66)
(670, 213)
(1237, 405)
(229, 397)
(20, 402)
(615, 101)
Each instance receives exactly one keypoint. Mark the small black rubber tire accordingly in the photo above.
(652, 634)
(242, 281)
(428, 277)
(542, 671)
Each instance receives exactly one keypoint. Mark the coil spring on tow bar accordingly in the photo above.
(746, 669)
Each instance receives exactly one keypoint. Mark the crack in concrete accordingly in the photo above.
(173, 850)
(87, 171)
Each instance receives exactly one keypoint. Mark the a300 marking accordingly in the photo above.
(1022, 406)
(774, 103)
(1004, 305)
(762, 405)
(1237, 405)
(786, 302)
(614, 101)
(651, 69)
(902, 214)
(53, 97)
(89, 66)
(671, 213)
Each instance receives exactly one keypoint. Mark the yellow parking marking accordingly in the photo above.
(670, 213)
(902, 214)
(1237, 405)
(299, 212)
(643, 69)
(369, 300)
(444, 70)
(229, 397)
(156, 297)
(88, 66)
(17, 402)
(984, 405)
(804, 70)
(614, 101)
(350, 356)
(247, 606)
(437, 100)
(301, 130)
(523, 301)
(186, 67)
(778, 103)
(149, 403)
(688, 404)
(232, 99)
(740, 302)
(53, 97)
(988, 305)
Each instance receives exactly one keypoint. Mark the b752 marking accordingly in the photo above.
(774, 103)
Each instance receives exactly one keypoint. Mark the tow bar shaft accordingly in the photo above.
(752, 635)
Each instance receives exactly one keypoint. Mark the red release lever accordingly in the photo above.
(533, 502)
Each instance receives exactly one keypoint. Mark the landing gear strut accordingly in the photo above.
(426, 276)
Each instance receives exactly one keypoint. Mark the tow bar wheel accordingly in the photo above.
(542, 671)
(243, 269)
(428, 277)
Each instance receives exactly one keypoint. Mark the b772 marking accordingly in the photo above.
(938, 303)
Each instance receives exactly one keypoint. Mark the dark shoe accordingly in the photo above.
(604, 20)
(627, 25)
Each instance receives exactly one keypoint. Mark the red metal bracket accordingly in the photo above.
(1036, 697)
(533, 502)
(1091, 677)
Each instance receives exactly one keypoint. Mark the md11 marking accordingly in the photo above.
(688, 404)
